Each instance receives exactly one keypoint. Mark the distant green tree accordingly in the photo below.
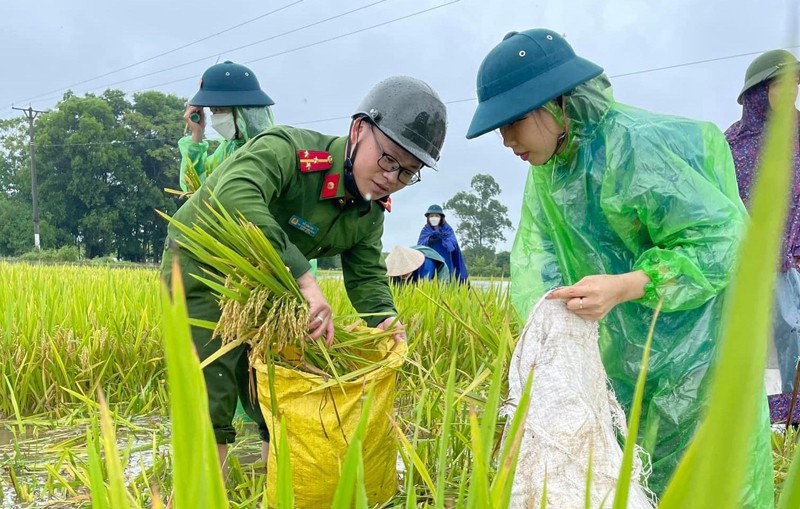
(482, 219)
(103, 163)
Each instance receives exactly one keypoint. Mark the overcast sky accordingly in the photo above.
(322, 72)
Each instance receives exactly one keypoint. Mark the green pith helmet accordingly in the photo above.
(434, 209)
(767, 66)
(409, 112)
(522, 73)
(227, 85)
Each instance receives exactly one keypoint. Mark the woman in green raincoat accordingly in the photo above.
(239, 111)
(622, 208)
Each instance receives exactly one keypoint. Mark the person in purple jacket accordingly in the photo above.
(746, 137)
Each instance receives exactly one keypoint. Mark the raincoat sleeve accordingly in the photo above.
(195, 154)
(365, 277)
(534, 267)
(680, 214)
(425, 235)
(252, 179)
(449, 241)
(428, 270)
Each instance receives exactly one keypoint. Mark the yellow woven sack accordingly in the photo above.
(320, 424)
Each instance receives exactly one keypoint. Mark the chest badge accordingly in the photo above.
(304, 226)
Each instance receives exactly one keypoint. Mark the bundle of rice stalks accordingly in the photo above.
(262, 305)
(191, 179)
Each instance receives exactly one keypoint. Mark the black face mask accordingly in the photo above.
(349, 179)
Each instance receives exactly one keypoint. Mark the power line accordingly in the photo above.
(173, 50)
(622, 75)
(696, 62)
(472, 99)
(356, 31)
(347, 117)
(298, 48)
(292, 50)
(229, 50)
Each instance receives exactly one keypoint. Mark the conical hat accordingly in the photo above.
(403, 260)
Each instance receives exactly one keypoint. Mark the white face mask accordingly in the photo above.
(434, 221)
(224, 124)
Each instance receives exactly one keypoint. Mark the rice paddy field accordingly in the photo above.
(68, 332)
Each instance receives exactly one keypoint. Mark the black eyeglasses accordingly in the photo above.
(390, 164)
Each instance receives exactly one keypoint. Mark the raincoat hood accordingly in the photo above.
(585, 107)
(251, 120)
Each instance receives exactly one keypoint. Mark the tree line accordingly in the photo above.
(103, 162)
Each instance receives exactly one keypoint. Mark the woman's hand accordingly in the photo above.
(593, 297)
(319, 311)
(198, 128)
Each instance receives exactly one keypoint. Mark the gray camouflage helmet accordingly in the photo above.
(408, 111)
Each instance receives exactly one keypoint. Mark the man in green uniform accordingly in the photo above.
(314, 196)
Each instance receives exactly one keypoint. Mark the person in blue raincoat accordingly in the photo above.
(418, 263)
(440, 236)
(622, 208)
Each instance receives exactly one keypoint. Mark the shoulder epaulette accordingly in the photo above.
(314, 160)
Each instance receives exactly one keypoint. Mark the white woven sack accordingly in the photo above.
(573, 412)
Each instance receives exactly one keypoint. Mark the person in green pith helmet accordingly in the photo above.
(239, 111)
(747, 137)
(314, 195)
(622, 209)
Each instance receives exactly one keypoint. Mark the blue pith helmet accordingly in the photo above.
(434, 209)
(522, 73)
(227, 85)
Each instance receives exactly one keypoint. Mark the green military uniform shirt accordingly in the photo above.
(304, 214)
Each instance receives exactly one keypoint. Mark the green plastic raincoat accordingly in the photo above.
(249, 121)
(632, 191)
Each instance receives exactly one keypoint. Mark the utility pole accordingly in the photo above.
(31, 114)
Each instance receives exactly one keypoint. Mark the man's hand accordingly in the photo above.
(400, 331)
(320, 322)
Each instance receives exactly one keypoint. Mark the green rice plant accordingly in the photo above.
(784, 444)
(197, 478)
(286, 493)
(117, 493)
(191, 179)
(350, 490)
(713, 470)
(626, 468)
(69, 330)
